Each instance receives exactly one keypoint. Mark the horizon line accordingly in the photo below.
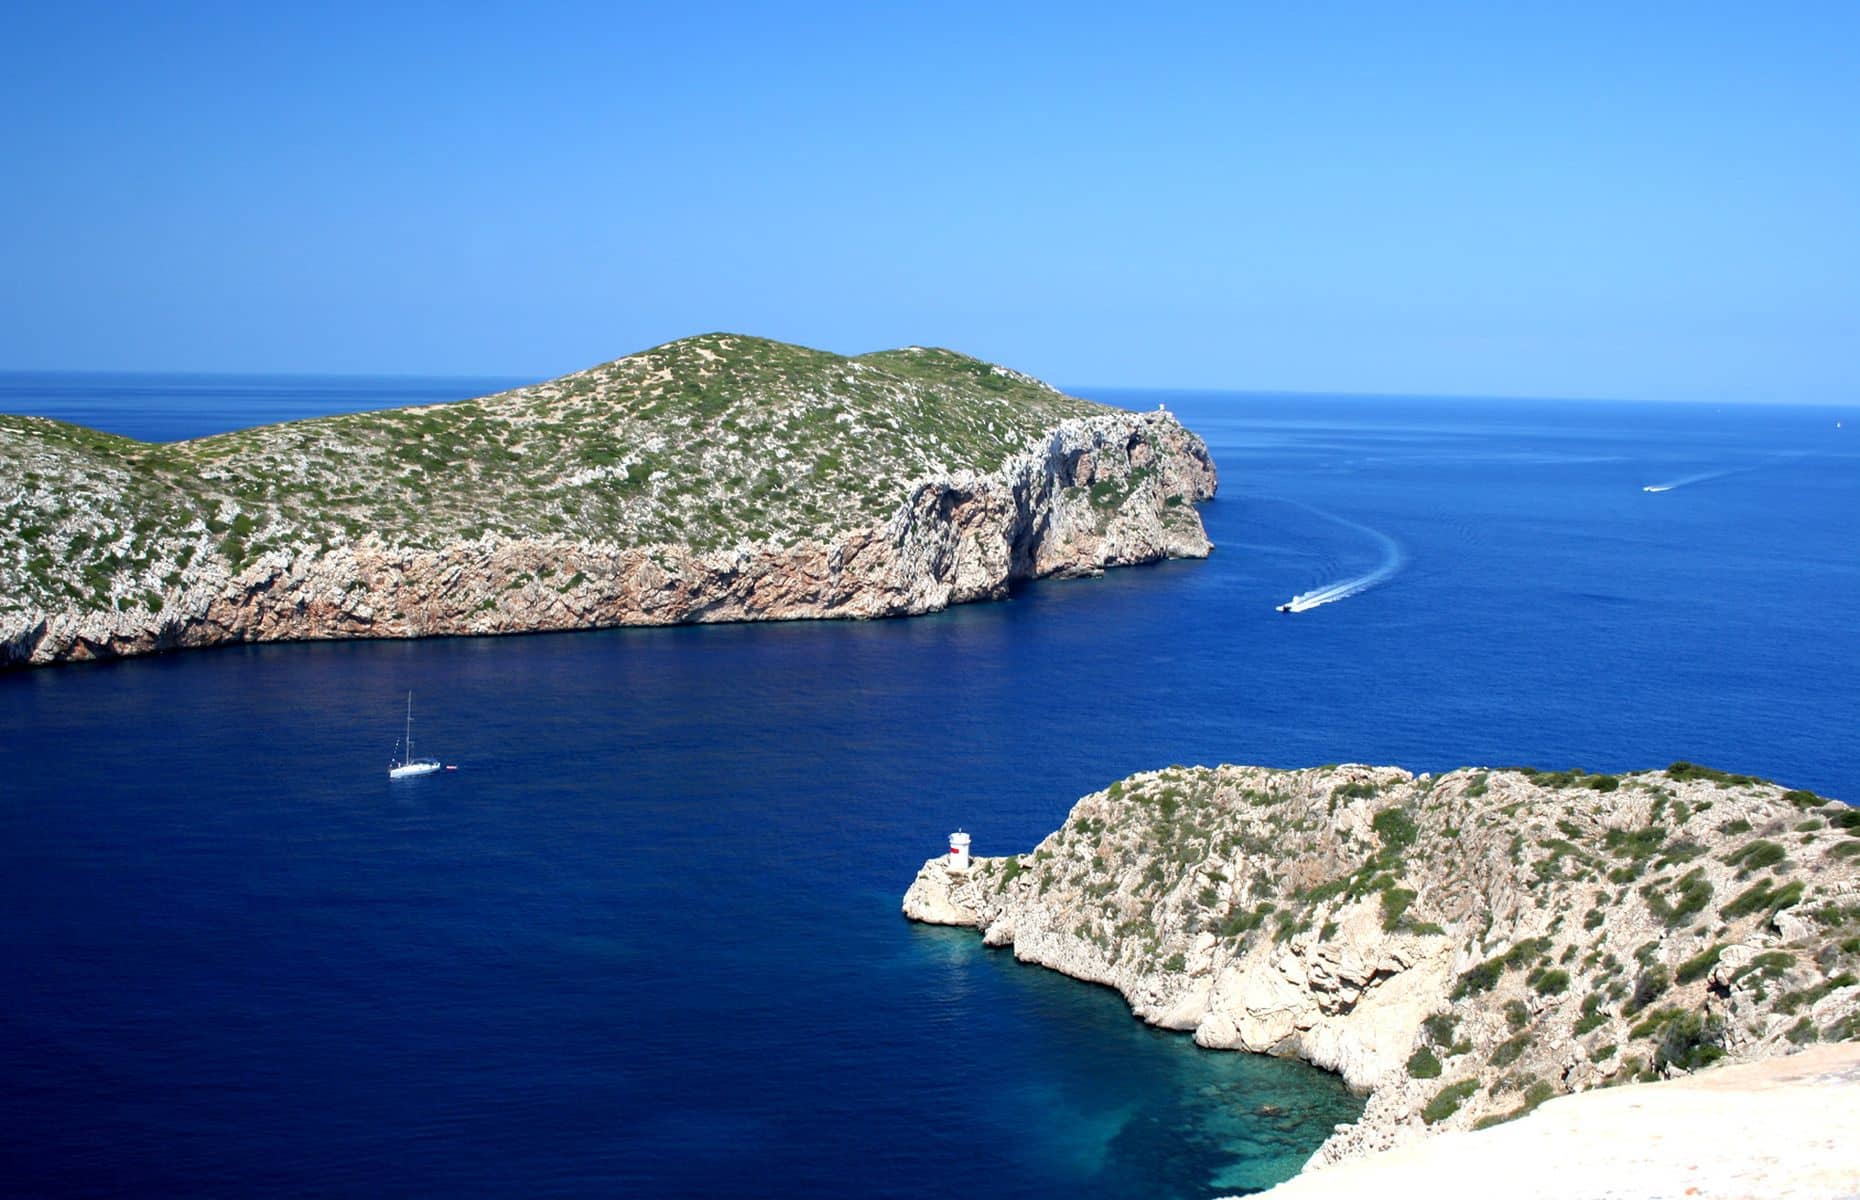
(1082, 391)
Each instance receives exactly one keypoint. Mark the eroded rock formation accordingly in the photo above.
(1093, 492)
(1462, 947)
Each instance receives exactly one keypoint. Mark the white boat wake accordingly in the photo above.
(1343, 589)
(1701, 477)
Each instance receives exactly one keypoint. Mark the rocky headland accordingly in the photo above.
(1462, 947)
(717, 478)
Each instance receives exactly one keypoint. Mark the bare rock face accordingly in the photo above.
(1094, 492)
(1780, 1127)
(941, 895)
(1462, 947)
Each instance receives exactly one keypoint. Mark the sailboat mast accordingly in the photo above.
(410, 725)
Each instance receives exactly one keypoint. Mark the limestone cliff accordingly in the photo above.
(1464, 946)
(715, 479)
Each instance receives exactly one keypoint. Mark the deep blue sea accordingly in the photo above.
(646, 942)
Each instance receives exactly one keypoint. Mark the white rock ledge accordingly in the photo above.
(1779, 1128)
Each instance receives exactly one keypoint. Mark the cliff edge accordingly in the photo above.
(1463, 947)
(1782, 1127)
(718, 478)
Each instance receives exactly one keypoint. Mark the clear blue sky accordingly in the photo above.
(1631, 200)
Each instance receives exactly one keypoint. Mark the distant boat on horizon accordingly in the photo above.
(403, 768)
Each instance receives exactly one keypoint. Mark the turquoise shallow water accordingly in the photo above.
(646, 940)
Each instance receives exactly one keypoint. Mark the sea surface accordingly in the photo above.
(645, 940)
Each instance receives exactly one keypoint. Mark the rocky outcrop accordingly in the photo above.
(1093, 492)
(1782, 1127)
(1461, 947)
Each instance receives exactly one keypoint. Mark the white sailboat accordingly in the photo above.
(402, 768)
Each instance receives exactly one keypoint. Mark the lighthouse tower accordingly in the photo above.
(958, 859)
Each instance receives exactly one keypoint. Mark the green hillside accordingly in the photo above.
(709, 441)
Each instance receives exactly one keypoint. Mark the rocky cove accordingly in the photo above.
(813, 759)
(1462, 947)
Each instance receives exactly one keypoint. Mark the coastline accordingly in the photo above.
(1090, 494)
(1453, 975)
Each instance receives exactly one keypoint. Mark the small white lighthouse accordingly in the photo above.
(958, 851)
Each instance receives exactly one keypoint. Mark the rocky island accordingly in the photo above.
(1462, 947)
(717, 478)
